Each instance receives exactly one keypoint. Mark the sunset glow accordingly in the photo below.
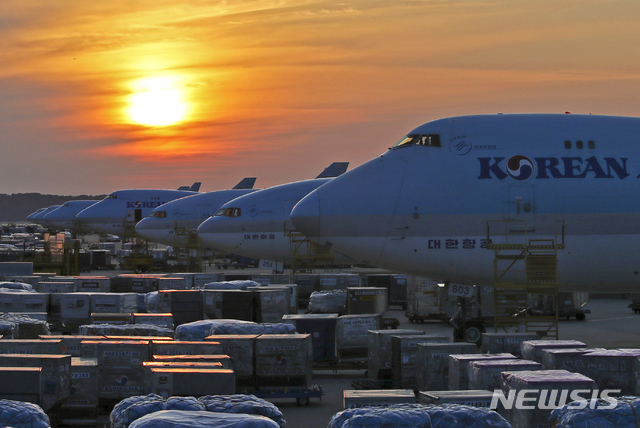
(156, 103)
(105, 95)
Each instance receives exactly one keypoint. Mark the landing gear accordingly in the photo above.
(470, 333)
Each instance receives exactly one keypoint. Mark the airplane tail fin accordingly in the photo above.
(246, 183)
(334, 170)
(195, 187)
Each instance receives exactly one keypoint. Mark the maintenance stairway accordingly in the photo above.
(306, 255)
(525, 278)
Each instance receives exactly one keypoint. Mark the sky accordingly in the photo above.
(112, 94)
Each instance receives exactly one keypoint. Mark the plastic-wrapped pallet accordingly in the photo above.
(191, 419)
(8, 330)
(17, 286)
(130, 409)
(230, 285)
(246, 328)
(125, 330)
(198, 330)
(416, 415)
(152, 302)
(328, 302)
(532, 349)
(621, 413)
(17, 414)
(551, 386)
(246, 404)
(26, 327)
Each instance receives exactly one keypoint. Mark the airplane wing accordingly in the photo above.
(246, 183)
(334, 170)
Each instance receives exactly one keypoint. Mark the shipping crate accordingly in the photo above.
(432, 364)
(227, 304)
(110, 318)
(30, 346)
(70, 344)
(352, 342)
(307, 284)
(270, 305)
(338, 281)
(396, 286)
(183, 347)
(380, 351)
(149, 365)
(54, 376)
(532, 349)
(161, 320)
(23, 302)
(55, 287)
(292, 289)
(548, 382)
(471, 397)
(283, 360)
(120, 382)
(496, 343)
(613, 369)
(322, 328)
(173, 283)
(129, 354)
(569, 359)
(366, 300)
(192, 382)
(404, 355)
(185, 305)
(75, 309)
(111, 303)
(241, 349)
(97, 284)
(355, 399)
(84, 383)
(459, 368)
(225, 360)
(487, 374)
(21, 384)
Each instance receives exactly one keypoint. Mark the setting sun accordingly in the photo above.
(156, 102)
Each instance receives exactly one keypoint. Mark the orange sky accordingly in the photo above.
(280, 89)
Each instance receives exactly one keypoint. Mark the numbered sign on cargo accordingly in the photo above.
(462, 290)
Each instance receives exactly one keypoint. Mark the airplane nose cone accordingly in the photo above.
(305, 216)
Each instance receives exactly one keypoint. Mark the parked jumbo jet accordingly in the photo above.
(423, 207)
(64, 217)
(37, 217)
(119, 212)
(175, 223)
(256, 225)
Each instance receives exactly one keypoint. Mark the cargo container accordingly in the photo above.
(404, 354)
(227, 304)
(356, 399)
(70, 344)
(495, 343)
(566, 359)
(337, 281)
(366, 300)
(475, 398)
(270, 305)
(487, 374)
(307, 284)
(241, 349)
(161, 320)
(352, 343)
(128, 354)
(173, 283)
(283, 360)
(97, 284)
(432, 364)
(75, 309)
(423, 300)
(379, 351)
(613, 369)
(22, 384)
(185, 305)
(532, 349)
(30, 346)
(56, 287)
(110, 318)
(396, 285)
(23, 302)
(181, 347)
(114, 303)
(293, 295)
(84, 383)
(54, 376)
(322, 328)
(192, 382)
(547, 382)
(459, 368)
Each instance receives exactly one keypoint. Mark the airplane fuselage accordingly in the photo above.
(424, 206)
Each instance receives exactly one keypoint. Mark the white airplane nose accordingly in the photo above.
(305, 216)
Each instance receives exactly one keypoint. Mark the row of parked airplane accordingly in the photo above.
(424, 206)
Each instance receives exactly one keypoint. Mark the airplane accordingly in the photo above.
(175, 222)
(256, 225)
(119, 211)
(37, 217)
(64, 217)
(426, 206)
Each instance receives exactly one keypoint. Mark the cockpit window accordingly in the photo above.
(112, 196)
(159, 214)
(228, 212)
(432, 140)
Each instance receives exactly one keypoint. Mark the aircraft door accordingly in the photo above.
(521, 207)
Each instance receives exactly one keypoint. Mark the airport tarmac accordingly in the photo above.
(611, 324)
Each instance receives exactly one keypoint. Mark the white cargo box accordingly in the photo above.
(293, 296)
(351, 336)
(30, 346)
(432, 364)
(471, 397)
(496, 343)
(380, 350)
(569, 359)
(182, 347)
(75, 308)
(487, 374)
(355, 399)
(56, 287)
(241, 350)
(114, 302)
(172, 283)
(404, 356)
(84, 383)
(117, 353)
(459, 368)
(98, 284)
(192, 382)
(532, 349)
(24, 302)
(162, 320)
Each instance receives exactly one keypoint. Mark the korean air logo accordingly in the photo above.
(520, 167)
(137, 204)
